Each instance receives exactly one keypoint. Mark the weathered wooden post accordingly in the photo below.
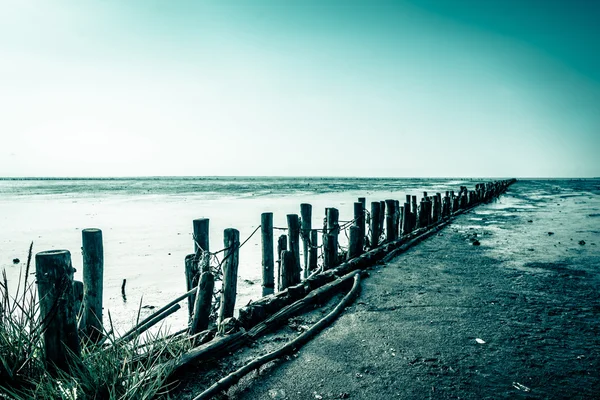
(359, 221)
(396, 218)
(313, 255)
(354, 243)
(414, 211)
(93, 278)
(306, 227)
(437, 208)
(201, 236)
(192, 272)
(407, 219)
(54, 275)
(331, 238)
(390, 218)
(268, 263)
(382, 216)
(78, 296)
(294, 243)
(231, 241)
(281, 247)
(363, 221)
(375, 223)
(288, 269)
(204, 295)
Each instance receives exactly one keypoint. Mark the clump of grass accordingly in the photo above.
(135, 369)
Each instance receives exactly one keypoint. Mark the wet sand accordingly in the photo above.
(516, 317)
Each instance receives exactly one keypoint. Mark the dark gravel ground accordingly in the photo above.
(517, 316)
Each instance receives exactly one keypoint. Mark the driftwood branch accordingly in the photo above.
(233, 378)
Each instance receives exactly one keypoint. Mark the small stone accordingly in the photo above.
(582, 242)
(550, 233)
(476, 243)
(344, 395)
(530, 221)
(16, 261)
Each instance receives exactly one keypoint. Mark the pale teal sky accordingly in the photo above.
(300, 87)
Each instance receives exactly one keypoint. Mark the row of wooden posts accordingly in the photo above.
(62, 300)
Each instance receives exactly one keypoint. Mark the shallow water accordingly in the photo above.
(147, 224)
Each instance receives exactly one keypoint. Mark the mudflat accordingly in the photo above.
(502, 303)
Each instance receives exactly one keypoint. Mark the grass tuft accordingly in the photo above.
(114, 370)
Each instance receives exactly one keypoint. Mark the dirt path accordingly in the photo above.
(532, 297)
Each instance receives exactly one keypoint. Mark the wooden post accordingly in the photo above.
(305, 229)
(381, 216)
(375, 221)
(313, 251)
(354, 245)
(359, 221)
(414, 211)
(390, 218)
(203, 304)
(436, 211)
(231, 242)
(54, 275)
(192, 274)
(201, 237)
(281, 247)
(333, 230)
(268, 263)
(363, 221)
(78, 296)
(93, 278)
(294, 243)
(288, 269)
(398, 215)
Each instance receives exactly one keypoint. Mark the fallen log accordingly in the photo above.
(233, 378)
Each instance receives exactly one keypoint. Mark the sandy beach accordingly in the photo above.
(515, 317)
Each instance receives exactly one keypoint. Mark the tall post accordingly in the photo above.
(390, 219)
(54, 275)
(359, 220)
(281, 247)
(414, 211)
(375, 220)
(231, 241)
(192, 274)
(313, 251)
(93, 278)
(288, 261)
(268, 263)
(381, 216)
(354, 249)
(203, 304)
(294, 243)
(362, 225)
(305, 228)
(330, 239)
(398, 212)
(201, 236)
(407, 219)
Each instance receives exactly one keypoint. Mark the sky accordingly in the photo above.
(421, 88)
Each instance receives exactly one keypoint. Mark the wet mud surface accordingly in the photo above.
(516, 316)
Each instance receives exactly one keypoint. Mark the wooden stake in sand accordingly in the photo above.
(294, 244)
(375, 223)
(306, 226)
(231, 242)
(54, 274)
(281, 247)
(268, 263)
(93, 278)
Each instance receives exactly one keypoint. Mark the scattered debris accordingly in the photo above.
(476, 243)
(582, 242)
(148, 307)
(519, 386)
(480, 341)
(550, 233)
(277, 394)
(16, 261)
(344, 395)
(530, 221)
(530, 249)
(248, 281)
